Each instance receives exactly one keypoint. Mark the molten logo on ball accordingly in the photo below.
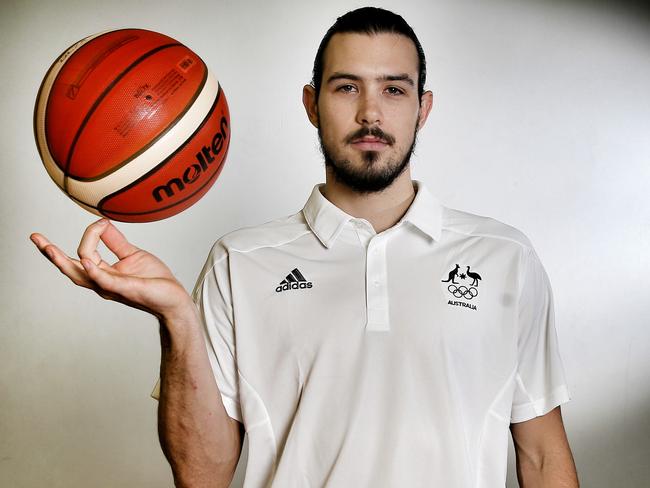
(194, 171)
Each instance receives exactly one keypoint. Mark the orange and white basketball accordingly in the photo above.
(132, 125)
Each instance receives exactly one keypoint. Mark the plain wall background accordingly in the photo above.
(541, 120)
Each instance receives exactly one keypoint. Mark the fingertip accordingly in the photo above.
(87, 264)
(38, 239)
(99, 223)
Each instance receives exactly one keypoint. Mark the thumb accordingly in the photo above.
(105, 280)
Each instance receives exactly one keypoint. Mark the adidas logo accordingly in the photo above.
(294, 281)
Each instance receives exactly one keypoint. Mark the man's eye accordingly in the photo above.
(346, 88)
(393, 90)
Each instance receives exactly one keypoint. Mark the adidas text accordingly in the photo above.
(294, 286)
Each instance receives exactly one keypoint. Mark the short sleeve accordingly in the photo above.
(212, 296)
(540, 381)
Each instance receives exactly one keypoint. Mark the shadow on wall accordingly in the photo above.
(614, 451)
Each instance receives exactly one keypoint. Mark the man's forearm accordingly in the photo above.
(555, 471)
(200, 442)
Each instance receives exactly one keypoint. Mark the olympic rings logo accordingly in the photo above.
(463, 292)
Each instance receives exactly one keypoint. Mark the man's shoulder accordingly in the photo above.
(473, 225)
(273, 233)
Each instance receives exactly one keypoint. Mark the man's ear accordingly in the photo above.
(426, 102)
(310, 103)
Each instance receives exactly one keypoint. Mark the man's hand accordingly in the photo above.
(138, 279)
(200, 440)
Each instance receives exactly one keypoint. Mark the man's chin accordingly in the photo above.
(363, 160)
(370, 179)
(370, 157)
(366, 171)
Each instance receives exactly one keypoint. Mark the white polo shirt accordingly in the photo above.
(398, 359)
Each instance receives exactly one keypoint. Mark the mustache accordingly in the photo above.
(370, 131)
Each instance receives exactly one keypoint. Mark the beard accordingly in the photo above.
(370, 178)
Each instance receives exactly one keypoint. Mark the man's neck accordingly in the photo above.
(382, 209)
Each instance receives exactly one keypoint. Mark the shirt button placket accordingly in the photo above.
(376, 286)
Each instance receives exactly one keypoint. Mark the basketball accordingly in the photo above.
(132, 125)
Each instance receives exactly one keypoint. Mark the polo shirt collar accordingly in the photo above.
(327, 221)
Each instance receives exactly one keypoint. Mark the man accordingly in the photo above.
(374, 339)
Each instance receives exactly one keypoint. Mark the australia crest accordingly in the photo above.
(463, 286)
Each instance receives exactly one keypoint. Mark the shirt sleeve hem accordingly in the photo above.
(155, 394)
(233, 408)
(528, 411)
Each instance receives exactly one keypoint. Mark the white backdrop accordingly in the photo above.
(541, 120)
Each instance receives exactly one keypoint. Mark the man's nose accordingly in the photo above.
(369, 110)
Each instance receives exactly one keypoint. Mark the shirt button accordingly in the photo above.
(377, 283)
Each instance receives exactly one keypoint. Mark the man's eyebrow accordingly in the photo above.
(349, 76)
(401, 77)
(342, 76)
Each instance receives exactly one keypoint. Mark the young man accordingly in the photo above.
(374, 339)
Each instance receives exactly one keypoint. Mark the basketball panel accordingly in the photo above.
(55, 172)
(171, 210)
(181, 179)
(145, 103)
(92, 192)
(85, 75)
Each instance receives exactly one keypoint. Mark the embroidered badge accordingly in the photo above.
(465, 290)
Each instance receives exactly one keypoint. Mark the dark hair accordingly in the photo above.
(369, 20)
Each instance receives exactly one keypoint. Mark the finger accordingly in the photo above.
(69, 267)
(58, 258)
(43, 244)
(90, 240)
(117, 243)
(40, 242)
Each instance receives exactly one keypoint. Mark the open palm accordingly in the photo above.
(138, 279)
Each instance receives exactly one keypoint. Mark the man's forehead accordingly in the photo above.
(383, 53)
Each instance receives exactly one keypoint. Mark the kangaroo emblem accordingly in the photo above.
(452, 275)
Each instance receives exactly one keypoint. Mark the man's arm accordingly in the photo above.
(201, 442)
(544, 458)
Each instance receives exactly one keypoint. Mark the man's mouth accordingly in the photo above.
(370, 139)
(370, 143)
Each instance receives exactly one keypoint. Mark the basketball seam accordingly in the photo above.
(164, 162)
(94, 191)
(44, 144)
(153, 141)
(98, 58)
(208, 181)
(100, 99)
(81, 43)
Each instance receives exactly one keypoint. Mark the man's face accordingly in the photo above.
(368, 109)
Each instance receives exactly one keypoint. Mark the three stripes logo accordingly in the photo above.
(294, 281)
